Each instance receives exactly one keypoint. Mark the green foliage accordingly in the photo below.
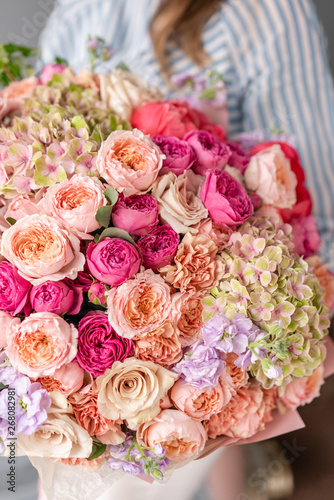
(16, 62)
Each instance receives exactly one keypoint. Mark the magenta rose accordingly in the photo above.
(239, 157)
(83, 281)
(159, 247)
(112, 261)
(99, 346)
(97, 293)
(210, 152)
(49, 70)
(14, 290)
(55, 297)
(226, 199)
(179, 154)
(136, 214)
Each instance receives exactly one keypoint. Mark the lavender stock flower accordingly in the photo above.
(227, 336)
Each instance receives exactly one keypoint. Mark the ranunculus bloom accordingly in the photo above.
(270, 175)
(305, 236)
(88, 416)
(325, 277)
(41, 344)
(197, 265)
(301, 391)
(113, 260)
(136, 214)
(181, 436)
(67, 379)
(186, 314)
(132, 391)
(226, 199)
(210, 153)
(179, 154)
(49, 70)
(178, 200)
(75, 202)
(199, 404)
(129, 161)
(98, 344)
(6, 320)
(14, 290)
(161, 346)
(140, 305)
(218, 234)
(21, 206)
(55, 297)
(42, 249)
(159, 247)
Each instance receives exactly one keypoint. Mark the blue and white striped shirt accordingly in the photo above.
(271, 53)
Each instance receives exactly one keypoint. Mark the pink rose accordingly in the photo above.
(129, 161)
(21, 206)
(199, 404)
(136, 214)
(49, 70)
(55, 297)
(67, 379)
(42, 249)
(6, 320)
(113, 260)
(75, 202)
(218, 234)
(210, 153)
(239, 158)
(226, 199)
(159, 247)
(179, 154)
(270, 175)
(41, 344)
(301, 391)
(14, 290)
(305, 236)
(13, 95)
(97, 293)
(181, 436)
(140, 305)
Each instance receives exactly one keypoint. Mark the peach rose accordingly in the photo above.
(42, 249)
(60, 436)
(13, 95)
(41, 344)
(6, 321)
(178, 200)
(162, 346)
(325, 277)
(132, 391)
(139, 306)
(197, 265)
(75, 202)
(186, 314)
(88, 416)
(129, 161)
(67, 379)
(181, 436)
(218, 234)
(269, 174)
(301, 391)
(199, 404)
(21, 206)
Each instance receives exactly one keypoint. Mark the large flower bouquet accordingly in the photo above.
(160, 293)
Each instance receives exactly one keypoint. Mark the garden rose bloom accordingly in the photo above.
(179, 154)
(6, 320)
(129, 161)
(197, 265)
(49, 70)
(88, 416)
(55, 297)
(239, 158)
(14, 290)
(113, 260)
(162, 346)
(132, 391)
(325, 277)
(67, 379)
(186, 314)
(98, 344)
(199, 404)
(301, 391)
(140, 305)
(218, 234)
(97, 293)
(19, 207)
(305, 236)
(226, 199)
(15, 92)
(269, 174)
(179, 202)
(181, 436)
(41, 344)
(136, 214)
(75, 202)
(210, 153)
(159, 247)
(42, 249)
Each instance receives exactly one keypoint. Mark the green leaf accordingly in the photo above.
(115, 232)
(96, 238)
(60, 60)
(113, 122)
(123, 67)
(11, 48)
(103, 215)
(78, 122)
(111, 194)
(11, 221)
(2, 387)
(98, 450)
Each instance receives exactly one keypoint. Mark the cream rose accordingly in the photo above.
(60, 436)
(42, 249)
(132, 391)
(124, 92)
(178, 200)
